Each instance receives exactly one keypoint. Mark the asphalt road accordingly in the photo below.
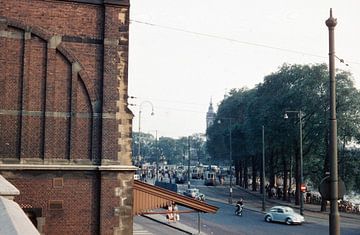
(225, 222)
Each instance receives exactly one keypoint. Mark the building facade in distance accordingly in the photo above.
(65, 129)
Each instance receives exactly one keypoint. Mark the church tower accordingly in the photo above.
(210, 115)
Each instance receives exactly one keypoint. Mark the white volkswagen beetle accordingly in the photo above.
(283, 214)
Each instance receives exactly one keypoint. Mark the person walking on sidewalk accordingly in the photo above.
(170, 214)
(239, 207)
(176, 214)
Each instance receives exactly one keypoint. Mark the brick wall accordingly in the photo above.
(75, 217)
(62, 70)
(63, 112)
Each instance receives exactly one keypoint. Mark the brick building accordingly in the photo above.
(65, 129)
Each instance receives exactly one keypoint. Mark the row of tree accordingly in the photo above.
(302, 89)
(173, 151)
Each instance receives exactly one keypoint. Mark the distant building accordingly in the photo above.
(210, 115)
(65, 128)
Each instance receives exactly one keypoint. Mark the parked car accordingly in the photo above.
(195, 194)
(283, 214)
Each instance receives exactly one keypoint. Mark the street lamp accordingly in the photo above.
(301, 159)
(334, 224)
(188, 173)
(152, 113)
(157, 157)
(263, 167)
(230, 157)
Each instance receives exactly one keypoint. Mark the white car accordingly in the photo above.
(136, 177)
(195, 194)
(283, 214)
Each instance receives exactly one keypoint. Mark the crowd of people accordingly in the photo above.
(311, 197)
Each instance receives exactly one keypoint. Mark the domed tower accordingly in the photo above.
(210, 115)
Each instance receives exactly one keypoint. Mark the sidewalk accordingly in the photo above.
(309, 209)
(176, 225)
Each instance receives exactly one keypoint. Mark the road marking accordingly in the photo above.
(141, 232)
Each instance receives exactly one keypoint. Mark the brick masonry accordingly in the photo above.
(63, 113)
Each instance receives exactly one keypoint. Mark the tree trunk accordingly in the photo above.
(241, 178)
(261, 179)
(254, 173)
(297, 178)
(323, 201)
(246, 184)
(285, 184)
(271, 170)
(237, 172)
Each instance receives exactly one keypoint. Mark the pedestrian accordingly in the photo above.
(176, 214)
(170, 214)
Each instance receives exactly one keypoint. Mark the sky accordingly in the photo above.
(183, 54)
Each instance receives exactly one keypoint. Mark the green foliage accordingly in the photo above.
(171, 150)
(295, 88)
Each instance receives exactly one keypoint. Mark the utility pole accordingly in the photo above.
(188, 162)
(301, 167)
(263, 168)
(302, 186)
(139, 137)
(334, 224)
(231, 175)
(157, 157)
(139, 140)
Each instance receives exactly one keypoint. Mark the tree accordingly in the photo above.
(302, 88)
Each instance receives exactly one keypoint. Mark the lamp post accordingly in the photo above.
(230, 157)
(188, 175)
(334, 227)
(263, 168)
(301, 159)
(139, 138)
(157, 157)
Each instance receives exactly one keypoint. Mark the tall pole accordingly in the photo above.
(289, 191)
(230, 158)
(301, 167)
(230, 154)
(334, 227)
(263, 168)
(157, 157)
(188, 162)
(139, 138)
(301, 161)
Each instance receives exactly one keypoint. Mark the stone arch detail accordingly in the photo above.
(33, 29)
(42, 34)
(58, 123)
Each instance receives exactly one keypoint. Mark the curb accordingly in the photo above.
(280, 202)
(184, 230)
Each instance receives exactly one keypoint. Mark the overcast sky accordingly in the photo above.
(184, 52)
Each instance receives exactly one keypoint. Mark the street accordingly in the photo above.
(225, 222)
(252, 221)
